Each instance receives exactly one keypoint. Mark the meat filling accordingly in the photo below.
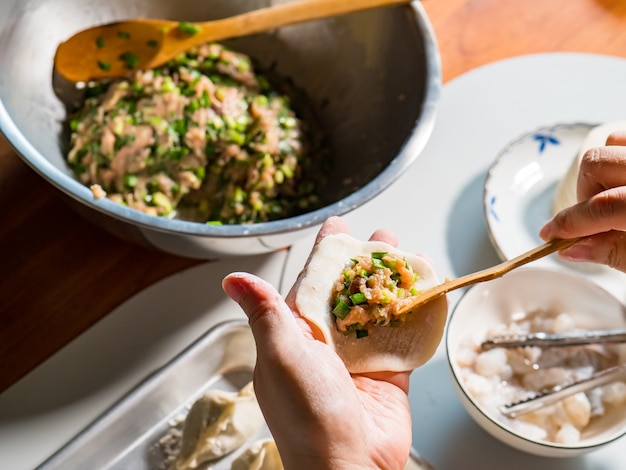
(203, 138)
(364, 293)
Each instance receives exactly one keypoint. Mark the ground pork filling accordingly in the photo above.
(202, 138)
(363, 295)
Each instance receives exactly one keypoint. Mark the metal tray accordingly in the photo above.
(130, 434)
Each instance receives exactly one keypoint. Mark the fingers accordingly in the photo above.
(399, 379)
(600, 169)
(617, 138)
(386, 236)
(600, 213)
(602, 192)
(331, 226)
(607, 248)
(272, 323)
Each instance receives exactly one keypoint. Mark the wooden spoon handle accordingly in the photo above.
(285, 14)
(487, 274)
(259, 20)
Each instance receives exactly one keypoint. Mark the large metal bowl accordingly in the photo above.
(373, 76)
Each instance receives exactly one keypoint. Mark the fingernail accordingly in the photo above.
(576, 253)
(233, 286)
(546, 231)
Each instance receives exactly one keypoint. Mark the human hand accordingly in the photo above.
(601, 210)
(320, 416)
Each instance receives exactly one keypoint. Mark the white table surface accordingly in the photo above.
(440, 200)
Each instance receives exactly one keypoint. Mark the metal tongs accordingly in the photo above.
(546, 340)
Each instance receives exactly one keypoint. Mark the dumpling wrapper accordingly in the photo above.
(386, 348)
(262, 455)
(565, 195)
(218, 423)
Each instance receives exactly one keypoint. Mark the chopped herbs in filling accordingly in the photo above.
(202, 138)
(364, 293)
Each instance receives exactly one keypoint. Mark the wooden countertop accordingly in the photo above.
(59, 274)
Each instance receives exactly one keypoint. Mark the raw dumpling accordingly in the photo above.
(262, 455)
(566, 191)
(385, 348)
(218, 423)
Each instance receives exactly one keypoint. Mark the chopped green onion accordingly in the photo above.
(288, 122)
(168, 84)
(130, 60)
(236, 137)
(358, 298)
(152, 43)
(200, 172)
(130, 181)
(288, 172)
(341, 310)
(123, 34)
(361, 334)
(378, 263)
(261, 100)
(205, 99)
(279, 177)
(179, 126)
(161, 200)
(100, 42)
(193, 105)
(104, 65)
(378, 254)
(177, 153)
(189, 28)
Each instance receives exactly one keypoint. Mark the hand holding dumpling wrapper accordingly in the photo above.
(399, 344)
(302, 383)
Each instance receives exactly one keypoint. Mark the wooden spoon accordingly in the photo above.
(114, 49)
(410, 303)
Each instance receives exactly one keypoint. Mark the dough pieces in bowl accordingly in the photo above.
(385, 348)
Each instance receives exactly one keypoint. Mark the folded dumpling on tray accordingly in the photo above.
(347, 292)
(218, 423)
(262, 455)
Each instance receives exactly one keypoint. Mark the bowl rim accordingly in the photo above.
(493, 421)
(411, 148)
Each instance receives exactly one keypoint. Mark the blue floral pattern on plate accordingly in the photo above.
(544, 140)
(520, 184)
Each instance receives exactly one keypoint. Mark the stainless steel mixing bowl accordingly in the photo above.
(373, 77)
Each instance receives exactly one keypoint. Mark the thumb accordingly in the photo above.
(272, 322)
(605, 248)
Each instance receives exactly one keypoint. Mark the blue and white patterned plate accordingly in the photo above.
(522, 182)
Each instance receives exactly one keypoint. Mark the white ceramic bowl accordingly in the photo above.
(525, 290)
